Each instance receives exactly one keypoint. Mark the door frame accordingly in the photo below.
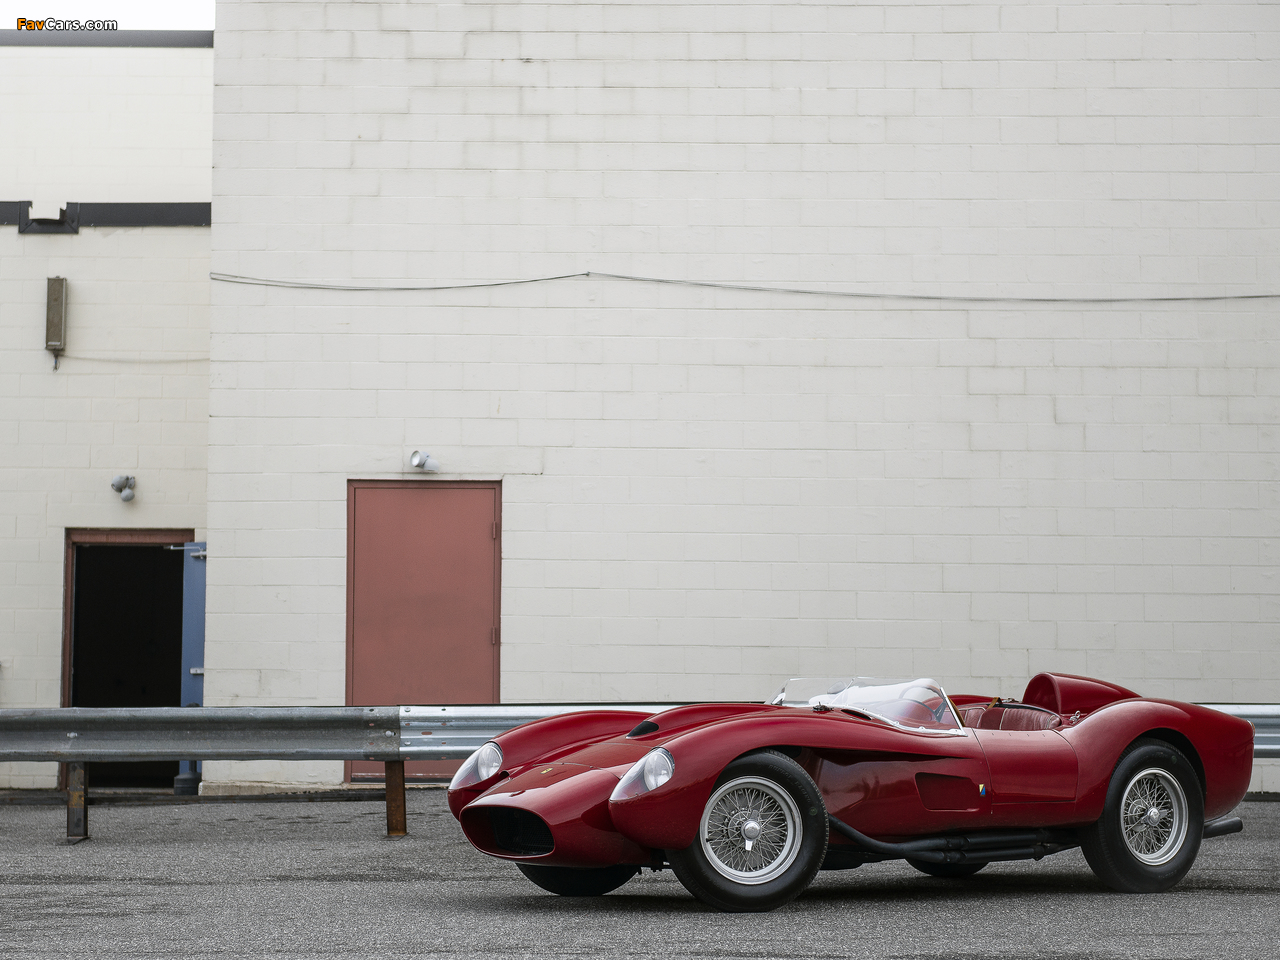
(352, 487)
(78, 536)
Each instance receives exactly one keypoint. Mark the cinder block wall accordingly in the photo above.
(87, 124)
(105, 125)
(705, 491)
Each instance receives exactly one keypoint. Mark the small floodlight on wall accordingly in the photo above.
(424, 461)
(124, 486)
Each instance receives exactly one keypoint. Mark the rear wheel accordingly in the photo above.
(578, 882)
(947, 871)
(1150, 829)
(762, 836)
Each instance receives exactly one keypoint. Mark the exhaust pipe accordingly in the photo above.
(981, 848)
(1222, 826)
(1000, 845)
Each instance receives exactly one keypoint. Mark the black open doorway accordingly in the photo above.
(125, 629)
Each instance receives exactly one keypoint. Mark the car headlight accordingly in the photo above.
(478, 767)
(648, 773)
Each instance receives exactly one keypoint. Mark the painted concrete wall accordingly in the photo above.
(130, 394)
(706, 491)
(105, 125)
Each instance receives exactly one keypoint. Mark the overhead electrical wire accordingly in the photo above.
(110, 359)
(750, 288)
(307, 285)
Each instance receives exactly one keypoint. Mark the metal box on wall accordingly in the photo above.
(55, 317)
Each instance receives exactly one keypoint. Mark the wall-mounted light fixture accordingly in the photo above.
(124, 486)
(424, 461)
(55, 317)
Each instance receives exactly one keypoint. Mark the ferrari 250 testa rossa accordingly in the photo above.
(746, 802)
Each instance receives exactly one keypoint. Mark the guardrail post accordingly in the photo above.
(187, 782)
(77, 803)
(397, 819)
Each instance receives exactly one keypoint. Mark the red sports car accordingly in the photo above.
(747, 802)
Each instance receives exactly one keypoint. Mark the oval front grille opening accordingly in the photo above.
(520, 832)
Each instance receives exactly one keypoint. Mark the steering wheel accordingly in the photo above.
(937, 712)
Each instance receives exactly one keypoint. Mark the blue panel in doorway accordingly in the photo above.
(193, 566)
(187, 782)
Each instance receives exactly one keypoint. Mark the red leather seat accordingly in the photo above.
(1009, 716)
(990, 719)
(1028, 718)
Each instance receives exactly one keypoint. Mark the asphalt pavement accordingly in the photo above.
(318, 880)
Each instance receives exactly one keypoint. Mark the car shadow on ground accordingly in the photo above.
(888, 891)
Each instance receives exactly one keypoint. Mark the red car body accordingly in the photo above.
(1046, 761)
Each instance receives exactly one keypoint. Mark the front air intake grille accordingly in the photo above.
(520, 832)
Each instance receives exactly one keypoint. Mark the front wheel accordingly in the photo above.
(762, 837)
(1150, 829)
(947, 871)
(578, 881)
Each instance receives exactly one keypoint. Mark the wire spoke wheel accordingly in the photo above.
(1153, 816)
(751, 830)
(761, 838)
(1152, 822)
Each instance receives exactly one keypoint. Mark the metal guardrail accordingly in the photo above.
(200, 733)
(1265, 718)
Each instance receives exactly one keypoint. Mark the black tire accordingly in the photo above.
(784, 814)
(1127, 849)
(579, 881)
(947, 871)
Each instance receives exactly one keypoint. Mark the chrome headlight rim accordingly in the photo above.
(483, 765)
(651, 772)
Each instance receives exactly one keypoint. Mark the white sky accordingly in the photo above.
(132, 14)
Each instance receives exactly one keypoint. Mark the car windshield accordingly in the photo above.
(911, 704)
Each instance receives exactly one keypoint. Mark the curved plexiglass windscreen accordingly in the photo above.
(911, 704)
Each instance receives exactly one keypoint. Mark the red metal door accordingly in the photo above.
(423, 565)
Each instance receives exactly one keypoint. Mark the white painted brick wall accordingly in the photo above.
(131, 394)
(105, 125)
(1001, 147)
(852, 506)
(707, 491)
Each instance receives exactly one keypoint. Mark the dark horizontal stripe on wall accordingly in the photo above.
(145, 214)
(106, 38)
(76, 215)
